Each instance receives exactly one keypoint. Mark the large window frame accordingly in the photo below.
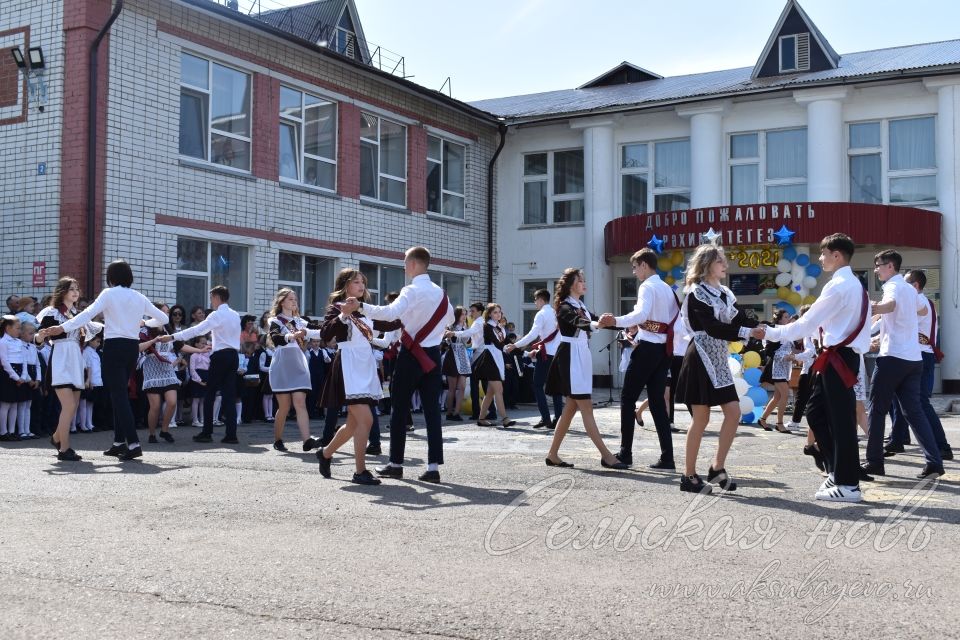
(443, 198)
(311, 292)
(528, 309)
(298, 122)
(454, 284)
(638, 165)
(550, 199)
(382, 279)
(372, 148)
(218, 143)
(239, 288)
(764, 184)
(887, 175)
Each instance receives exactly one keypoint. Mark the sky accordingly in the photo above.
(498, 48)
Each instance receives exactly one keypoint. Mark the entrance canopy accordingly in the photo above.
(752, 224)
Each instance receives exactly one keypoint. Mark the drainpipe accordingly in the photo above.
(503, 139)
(92, 148)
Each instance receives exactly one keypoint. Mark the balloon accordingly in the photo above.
(758, 395)
(809, 299)
(751, 359)
(814, 270)
(676, 257)
(783, 292)
(784, 266)
(752, 376)
(810, 282)
(803, 259)
(783, 279)
(669, 280)
(790, 253)
(746, 405)
(794, 298)
(466, 406)
(748, 418)
(662, 274)
(664, 264)
(677, 273)
(735, 347)
(737, 357)
(735, 366)
(742, 387)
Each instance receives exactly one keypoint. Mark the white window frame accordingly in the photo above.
(300, 285)
(443, 275)
(380, 173)
(651, 170)
(208, 92)
(761, 161)
(634, 171)
(439, 161)
(206, 274)
(527, 304)
(551, 196)
(300, 124)
(795, 62)
(886, 174)
(375, 292)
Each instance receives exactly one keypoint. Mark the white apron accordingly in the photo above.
(581, 364)
(359, 367)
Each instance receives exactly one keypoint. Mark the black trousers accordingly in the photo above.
(649, 364)
(804, 388)
(222, 377)
(407, 378)
(119, 363)
(675, 363)
(900, 379)
(832, 414)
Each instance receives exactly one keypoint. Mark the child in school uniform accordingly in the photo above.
(199, 369)
(32, 363)
(93, 386)
(14, 377)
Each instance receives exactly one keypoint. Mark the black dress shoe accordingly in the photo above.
(365, 477)
(68, 456)
(116, 450)
(165, 435)
(871, 468)
(430, 476)
(152, 440)
(374, 450)
(930, 470)
(553, 425)
(694, 484)
(226, 440)
(615, 465)
(311, 443)
(720, 477)
(130, 454)
(456, 417)
(202, 437)
(565, 465)
(541, 425)
(387, 471)
(946, 454)
(324, 464)
(892, 449)
(279, 446)
(812, 451)
(664, 464)
(626, 457)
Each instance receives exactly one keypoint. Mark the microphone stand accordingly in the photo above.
(609, 350)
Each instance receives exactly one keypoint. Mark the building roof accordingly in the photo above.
(315, 21)
(910, 60)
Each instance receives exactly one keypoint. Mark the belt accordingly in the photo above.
(655, 327)
(570, 339)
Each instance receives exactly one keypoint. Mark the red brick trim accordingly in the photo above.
(266, 123)
(262, 234)
(417, 169)
(348, 151)
(228, 50)
(25, 30)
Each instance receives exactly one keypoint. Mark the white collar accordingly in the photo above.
(575, 302)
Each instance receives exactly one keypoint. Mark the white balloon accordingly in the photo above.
(735, 366)
(746, 405)
(810, 282)
(742, 387)
(783, 279)
(784, 265)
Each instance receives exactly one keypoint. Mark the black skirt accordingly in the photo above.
(485, 368)
(449, 366)
(694, 386)
(333, 395)
(10, 391)
(558, 375)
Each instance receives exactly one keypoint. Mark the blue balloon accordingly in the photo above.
(662, 274)
(803, 259)
(737, 357)
(790, 253)
(748, 418)
(758, 395)
(677, 273)
(814, 270)
(752, 376)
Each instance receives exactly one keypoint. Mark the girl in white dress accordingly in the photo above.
(289, 370)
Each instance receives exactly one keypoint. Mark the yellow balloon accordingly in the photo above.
(809, 299)
(466, 406)
(794, 298)
(676, 257)
(664, 264)
(751, 359)
(783, 293)
(669, 280)
(736, 347)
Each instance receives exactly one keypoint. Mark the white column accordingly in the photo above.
(948, 181)
(825, 152)
(706, 153)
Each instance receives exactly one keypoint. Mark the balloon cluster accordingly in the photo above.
(797, 275)
(670, 268)
(746, 378)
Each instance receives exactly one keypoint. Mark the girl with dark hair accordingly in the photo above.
(571, 372)
(777, 373)
(178, 317)
(160, 381)
(456, 366)
(197, 315)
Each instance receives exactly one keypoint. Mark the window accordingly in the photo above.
(669, 190)
(214, 112)
(795, 52)
(626, 294)
(527, 307)
(308, 139)
(908, 175)
(553, 187)
(382, 280)
(202, 265)
(345, 37)
(311, 277)
(383, 160)
(452, 284)
(445, 177)
(781, 177)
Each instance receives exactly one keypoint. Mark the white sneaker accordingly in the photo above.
(197, 423)
(172, 425)
(217, 423)
(827, 484)
(793, 425)
(841, 493)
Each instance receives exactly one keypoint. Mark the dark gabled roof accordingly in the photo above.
(315, 21)
(906, 61)
(793, 12)
(623, 73)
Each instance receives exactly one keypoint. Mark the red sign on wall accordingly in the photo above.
(39, 274)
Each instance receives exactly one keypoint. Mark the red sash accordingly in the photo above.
(413, 344)
(541, 345)
(932, 339)
(830, 357)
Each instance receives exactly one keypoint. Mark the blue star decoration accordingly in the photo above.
(784, 236)
(798, 287)
(710, 236)
(656, 244)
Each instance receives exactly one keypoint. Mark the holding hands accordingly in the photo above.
(607, 320)
(43, 334)
(164, 338)
(350, 305)
(758, 332)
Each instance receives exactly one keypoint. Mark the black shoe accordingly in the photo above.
(639, 421)
(116, 450)
(626, 457)
(202, 437)
(694, 484)
(430, 476)
(664, 464)
(130, 454)
(812, 451)
(930, 470)
(386, 471)
(228, 440)
(455, 417)
(541, 425)
(167, 437)
(365, 477)
(279, 446)
(374, 450)
(946, 454)
(565, 465)
(871, 468)
(324, 464)
(615, 465)
(409, 428)
(720, 477)
(892, 449)
(311, 443)
(152, 440)
(68, 456)
(553, 425)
